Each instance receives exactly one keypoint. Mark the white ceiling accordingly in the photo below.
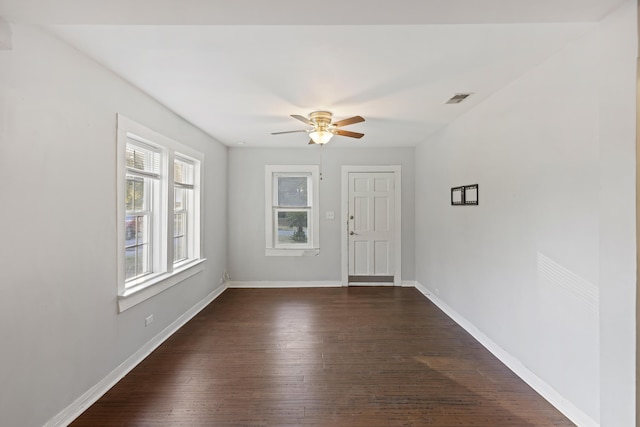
(237, 69)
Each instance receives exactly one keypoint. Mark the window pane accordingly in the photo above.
(130, 227)
(293, 227)
(129, 194)
(142, 159)
(292, 191)
(179, 224)
(180, 199)
(137, 229)
(179, 237)
(130, 263)
(137, 193)
(137, 261)
(179, 249)
(142, 229)
(140, 260)
(137, 251)
(183, 172)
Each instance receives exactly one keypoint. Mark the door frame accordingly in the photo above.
(344, 241)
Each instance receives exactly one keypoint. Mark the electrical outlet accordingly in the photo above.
(148, 320)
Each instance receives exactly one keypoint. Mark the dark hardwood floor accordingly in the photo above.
(321, 357)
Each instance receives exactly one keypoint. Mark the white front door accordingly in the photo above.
(371, 224)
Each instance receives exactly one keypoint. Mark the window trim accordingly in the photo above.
(136, 291)
(193, 211)
(313, 246)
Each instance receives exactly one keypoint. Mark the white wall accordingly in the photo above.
(618, 38)
(545, 265)
(247, 261)
(59, 327)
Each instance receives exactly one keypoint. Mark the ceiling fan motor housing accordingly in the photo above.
(321, 118)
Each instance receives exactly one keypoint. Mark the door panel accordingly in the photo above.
(381, 214)
(361, 184)
(361, 214)
(371, 223)
(381, 257)
(381, 184)
(361, 257)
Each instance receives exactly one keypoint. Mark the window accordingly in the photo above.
(183, 209)
(292, 218)
(159, 199)
(142, 183)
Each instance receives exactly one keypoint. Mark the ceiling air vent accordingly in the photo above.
(458, 98)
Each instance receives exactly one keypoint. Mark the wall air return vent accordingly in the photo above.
(458, 98)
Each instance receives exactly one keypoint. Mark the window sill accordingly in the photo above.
(291, 252)
(136, 294)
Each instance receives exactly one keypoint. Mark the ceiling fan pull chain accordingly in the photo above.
(321, 145)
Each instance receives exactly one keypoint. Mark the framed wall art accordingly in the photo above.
(471, 194)
(464, 195)
(457, 196)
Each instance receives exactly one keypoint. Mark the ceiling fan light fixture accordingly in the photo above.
(323, 128)
(321, 136)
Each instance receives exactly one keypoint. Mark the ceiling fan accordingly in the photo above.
(323, 129)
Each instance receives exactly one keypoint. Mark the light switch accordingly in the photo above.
(331, 215)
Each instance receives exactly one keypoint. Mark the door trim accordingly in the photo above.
(344, 241)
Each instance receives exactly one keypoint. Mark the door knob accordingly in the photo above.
(353, 234)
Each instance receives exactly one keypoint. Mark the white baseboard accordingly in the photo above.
(541, 387)
(70, 413)
(283, 284)
(307, 284)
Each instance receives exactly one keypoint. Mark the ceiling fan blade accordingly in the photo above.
(302, 119)
(349, 121)
(288, 131)
(311, 142)
(347, 133)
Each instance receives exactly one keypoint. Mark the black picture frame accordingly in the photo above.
(471, 194)
(465, 195)
(457, 196)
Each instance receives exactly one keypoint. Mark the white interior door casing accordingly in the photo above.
(371, 224)
(375, 204)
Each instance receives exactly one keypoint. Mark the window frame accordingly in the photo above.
(191, 210)
(165, 273)
(151, 182)
(272, 247)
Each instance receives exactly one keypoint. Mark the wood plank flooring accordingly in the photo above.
(321, 357)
